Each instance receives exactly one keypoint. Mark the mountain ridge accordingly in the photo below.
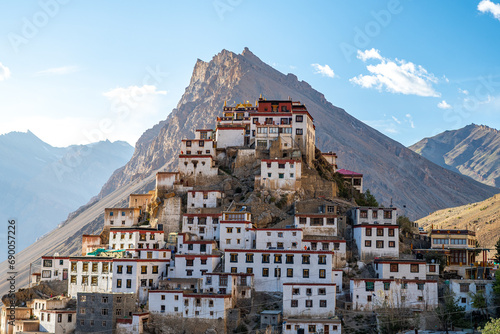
(42, 184)
(473, 150)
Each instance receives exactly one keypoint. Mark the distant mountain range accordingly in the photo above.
(42, 184)
(473, 151)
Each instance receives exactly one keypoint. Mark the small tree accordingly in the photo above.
(480, 303)
(492, 327)
(405, 225)
(449, 312)
(497, 255)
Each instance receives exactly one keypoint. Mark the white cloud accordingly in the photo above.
(369, 54)
(325, 70)
(383, 125)
(486, 6)
(58, 70)
(463, 91)
(443, 105)
(396, 76)
(4, 72)
(410, 119)
(396, 120)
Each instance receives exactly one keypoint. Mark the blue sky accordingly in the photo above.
(74, 72)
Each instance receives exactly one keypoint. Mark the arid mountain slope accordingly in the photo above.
(391, 170)
(473, 151)
(483, 216)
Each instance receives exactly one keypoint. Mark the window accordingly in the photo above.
(322, 273)
(322, 259)
(70, 317)
(363, 214)
(420, 286)
(391, 232)
(234, 270)
(85, 266)
(368, 298)
(394, 268)
(380, 232)
(299, 132)
(233, 257)
(387, 285)
(83, 298)
(93, 280)
(47, 263)
(129, 284)
(265, 272)
(277, 258)
(322, 303)
(305, 273)
(281, 175)
(380, 244)
(249, 258)
(249, 270)
(85, 280)
(73, 279)
(289, 258)
(388, 214)
(368, 243)
(480, 287)
(432, 268)
(203, 261)
(229, 229)
(309, 303)
(265, 258)
(464, 287)
(294, 303)
(144, 270)
(414, 268)
(404, 285)
(277, 272)
(306, 259)
(104, 311)
(118, 283)
(223, 280)
(289, 272)
(464, 300)
(129, 269)
(392, 244)
(369, 286)
(299, 118)
(368, 232)
(374, 214)
(118, 311)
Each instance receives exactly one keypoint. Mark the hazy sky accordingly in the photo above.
(80, 71)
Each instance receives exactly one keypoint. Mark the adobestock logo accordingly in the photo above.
(373, 28)
(30, 27)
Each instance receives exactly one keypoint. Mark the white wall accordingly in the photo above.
(121, 217)
(309, 300)
(290, 326)
(401, 269)
(198, 147)
(104, 278)
(465, 297)
(54, 268)
(397, 296)
(317, 224)
(229, 137)
(135, 239)
(279, 238)
(203, 199)
(365, 251)
(57, 322)
(209, 230)
(187, 305)
(277, 272)
(270, 174)
(236, 235)
(197, 166)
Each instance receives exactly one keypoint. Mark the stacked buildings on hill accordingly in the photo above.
(186, 250)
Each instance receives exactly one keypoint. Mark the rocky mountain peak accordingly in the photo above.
(392, 172)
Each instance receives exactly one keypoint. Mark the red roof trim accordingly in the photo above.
(281, 160)
(231, 128)
(277, 251)
(376, 225)
(202, 215)
(312, 284)
(201, 156)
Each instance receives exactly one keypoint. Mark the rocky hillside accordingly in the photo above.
(391, 170)
(42, 184)
(473, 151)
(483, 216)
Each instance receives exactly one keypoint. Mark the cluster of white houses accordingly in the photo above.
(197, 259)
